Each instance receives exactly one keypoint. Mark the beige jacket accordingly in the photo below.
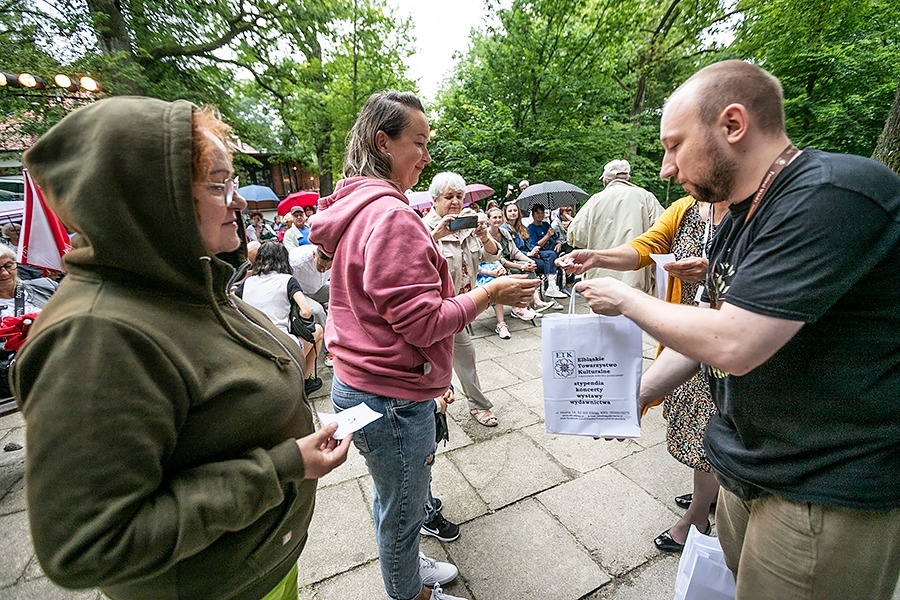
(460, 248)
(619, 213)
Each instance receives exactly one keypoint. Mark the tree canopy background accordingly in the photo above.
(551, 89)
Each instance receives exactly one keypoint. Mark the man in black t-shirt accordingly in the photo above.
(803, 353)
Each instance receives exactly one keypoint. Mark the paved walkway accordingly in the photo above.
(543, 516)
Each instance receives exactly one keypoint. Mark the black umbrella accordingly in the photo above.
(552, 194)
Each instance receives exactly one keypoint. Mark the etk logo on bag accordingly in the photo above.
(564, 364)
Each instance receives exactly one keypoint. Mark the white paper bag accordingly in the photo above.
(702, 573)
(592, 374)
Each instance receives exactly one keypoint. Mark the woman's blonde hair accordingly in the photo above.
(515, 224)
(384, 111)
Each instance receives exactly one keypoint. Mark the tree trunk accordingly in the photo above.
(109, 26)
(887, 150)
(113, 36)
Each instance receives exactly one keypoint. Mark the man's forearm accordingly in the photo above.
(731, 339)
(668, 371)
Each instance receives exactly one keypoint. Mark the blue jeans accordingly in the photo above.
(544, 261)
(399, 450)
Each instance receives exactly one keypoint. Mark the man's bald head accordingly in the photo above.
(713, 88)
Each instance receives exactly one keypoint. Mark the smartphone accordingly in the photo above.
(470, 222)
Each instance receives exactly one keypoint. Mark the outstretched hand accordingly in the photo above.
(576, 262)
(322, 453)
(513, 290)
(604, 295)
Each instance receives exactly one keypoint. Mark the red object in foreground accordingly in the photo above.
(14, 330)
(44, 240)
(303, 199)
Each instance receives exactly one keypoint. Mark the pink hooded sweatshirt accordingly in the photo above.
(392, 313)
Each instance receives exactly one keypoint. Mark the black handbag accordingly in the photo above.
(300, 326)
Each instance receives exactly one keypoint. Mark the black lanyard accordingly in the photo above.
(783, 160)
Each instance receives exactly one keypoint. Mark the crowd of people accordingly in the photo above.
(192, 374)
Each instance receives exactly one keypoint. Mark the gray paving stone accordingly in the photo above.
(507, 469)
(15, 542)
(613, 517)
(493, 377)
(360, 582)
(13, 499)
(522, 552)
(653, 428)
(525, 365)
(659, 474)
(461, 502)
(486, 350)
(341, 535)
(353, 467)
(578, 452)
(11, 421)
(530, 393)
(652, 581)
(13, 435)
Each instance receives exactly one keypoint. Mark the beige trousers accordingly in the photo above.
(464, 366)
(779, 549)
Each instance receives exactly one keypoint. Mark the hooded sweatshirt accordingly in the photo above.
(392, 313)
(161, 412)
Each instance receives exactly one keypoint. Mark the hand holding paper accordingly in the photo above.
(350, 420)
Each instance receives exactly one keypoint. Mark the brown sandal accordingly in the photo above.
(484, 416)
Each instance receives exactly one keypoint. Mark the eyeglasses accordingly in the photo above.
(9, 267)
(227, 186)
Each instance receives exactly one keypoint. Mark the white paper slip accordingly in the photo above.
(349, 420)
(662, 278)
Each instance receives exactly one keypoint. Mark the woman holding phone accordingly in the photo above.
(463, 249)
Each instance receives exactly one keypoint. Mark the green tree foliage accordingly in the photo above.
(560, 87)
(838, 63)
(287, 74)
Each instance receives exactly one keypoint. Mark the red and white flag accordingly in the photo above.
(43, 240)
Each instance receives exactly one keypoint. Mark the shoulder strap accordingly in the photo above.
(20, 300)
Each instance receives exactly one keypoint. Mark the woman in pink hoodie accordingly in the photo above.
(392, 316)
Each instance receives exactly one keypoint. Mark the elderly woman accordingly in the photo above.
(35, 292)
(393, 315)
(463, 249)
(17, 298)
(171, 452)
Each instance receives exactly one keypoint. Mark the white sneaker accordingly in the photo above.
(540, 306)
(438, 594)
(557, 306)
(526, 314)
(553, 291)
(434, 573)
(503, 331)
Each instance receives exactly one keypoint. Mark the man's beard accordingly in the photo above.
(720, 176)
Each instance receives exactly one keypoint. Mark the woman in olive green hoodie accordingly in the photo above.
(170, 450)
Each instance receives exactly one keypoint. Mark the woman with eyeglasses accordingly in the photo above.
(35, 292)
(171, 452)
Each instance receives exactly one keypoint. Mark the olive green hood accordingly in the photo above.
(118, 173)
